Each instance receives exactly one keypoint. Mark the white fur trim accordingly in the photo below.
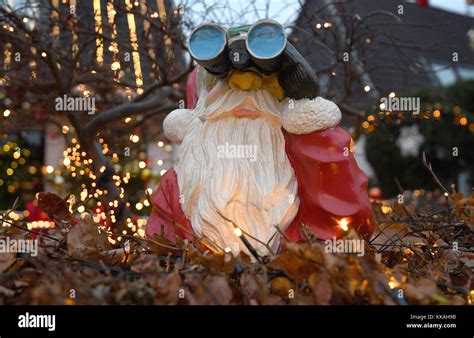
(308, 115)
(176, 123)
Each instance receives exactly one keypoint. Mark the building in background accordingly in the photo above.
(427, 45)
(393, 48)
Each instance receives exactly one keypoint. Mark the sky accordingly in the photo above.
(286, 11)
(456, 6)
(231, 12)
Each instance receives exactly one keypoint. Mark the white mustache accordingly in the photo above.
(260, 100)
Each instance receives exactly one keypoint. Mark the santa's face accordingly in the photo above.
(232, 168)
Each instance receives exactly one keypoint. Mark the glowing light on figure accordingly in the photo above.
(344, 223)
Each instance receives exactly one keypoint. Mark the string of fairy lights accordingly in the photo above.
(372, 121)
(99, 21)
(78, 166)
(17, 157)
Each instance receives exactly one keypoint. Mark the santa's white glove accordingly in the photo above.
(309, 115)
(176, 123)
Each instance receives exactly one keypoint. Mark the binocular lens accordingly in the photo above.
(208, 46)
(207, 42)
(266, 40)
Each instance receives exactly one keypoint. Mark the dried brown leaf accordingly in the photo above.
(219, 288)
(85, 240)
(55, 207)
(392, 236)
(6, 261)
(320, 283)
(292, 264)
(282, 286)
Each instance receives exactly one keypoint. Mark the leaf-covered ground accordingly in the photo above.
(419, 255)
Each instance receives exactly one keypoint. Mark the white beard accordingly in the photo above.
(254, 195)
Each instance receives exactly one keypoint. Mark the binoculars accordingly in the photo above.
(263, 45)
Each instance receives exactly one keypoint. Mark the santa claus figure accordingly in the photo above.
(260, 153)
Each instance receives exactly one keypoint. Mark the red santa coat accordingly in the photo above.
(330, 187)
